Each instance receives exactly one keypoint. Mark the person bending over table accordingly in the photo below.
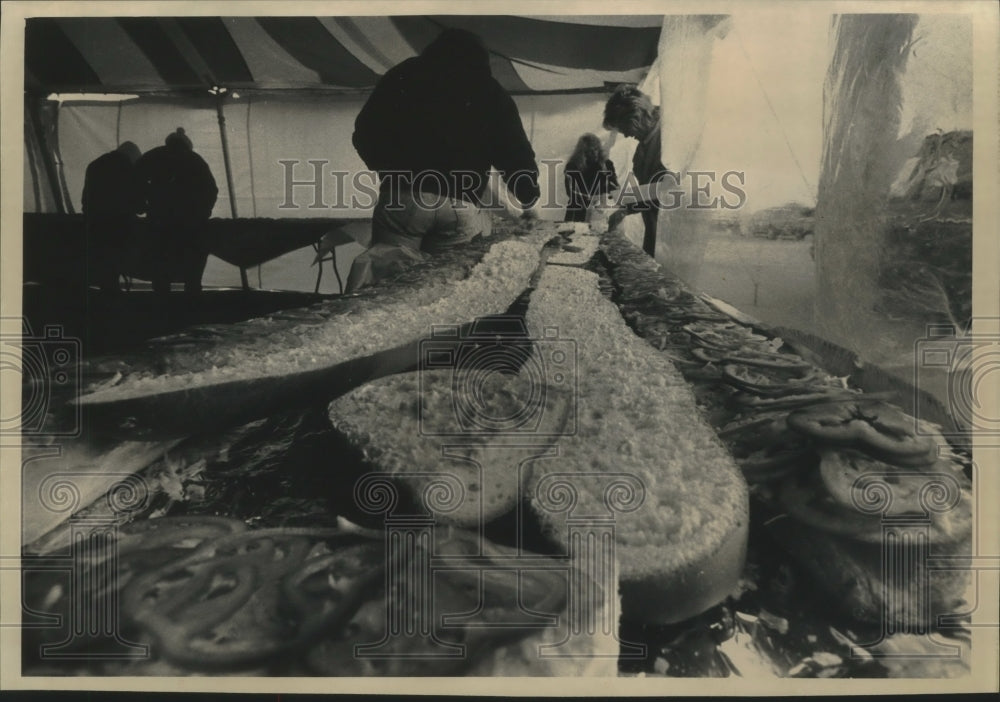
(432, 129)
(180, 195)
(112, 197)
(631, 112)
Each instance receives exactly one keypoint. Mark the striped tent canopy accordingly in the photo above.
(169, 55)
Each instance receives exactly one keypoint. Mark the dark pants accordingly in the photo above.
(107, 238)
(649, 237)
(576, 211)
(180, 249)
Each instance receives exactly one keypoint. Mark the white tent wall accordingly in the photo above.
(298, 129)
(303, 130)
(87, 130)
(764, 104)
(264, 130)
(764, 94)
(260, 132)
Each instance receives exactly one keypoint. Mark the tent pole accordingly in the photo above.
(35, 110)
(60, 172)
(219, 97)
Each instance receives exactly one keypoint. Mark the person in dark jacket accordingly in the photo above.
(588, 175)
(432, 129)
(111, 199)
(631, 112)
(180, 194)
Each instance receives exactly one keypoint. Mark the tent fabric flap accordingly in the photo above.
(186, 54)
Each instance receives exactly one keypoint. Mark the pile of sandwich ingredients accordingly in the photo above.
(275, 498)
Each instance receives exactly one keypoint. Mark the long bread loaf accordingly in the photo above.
(682, 550)
(371, 325)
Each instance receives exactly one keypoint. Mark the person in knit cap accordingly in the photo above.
(111, 199)
(180, 193)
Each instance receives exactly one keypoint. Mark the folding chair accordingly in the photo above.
(326, 250)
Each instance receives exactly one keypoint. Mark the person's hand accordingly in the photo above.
(529, 218)
(616, 218)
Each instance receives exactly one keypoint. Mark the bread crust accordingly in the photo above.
(347, 329)
(667, 598)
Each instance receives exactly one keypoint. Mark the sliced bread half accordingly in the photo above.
(368, 327)
(457, 444)
(681, 549)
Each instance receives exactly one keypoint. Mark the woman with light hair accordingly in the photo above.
(631, 112)
(589, 175)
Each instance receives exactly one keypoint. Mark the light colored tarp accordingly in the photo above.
(303, 131)
(764, 116)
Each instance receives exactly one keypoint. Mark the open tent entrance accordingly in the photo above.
(849, 140)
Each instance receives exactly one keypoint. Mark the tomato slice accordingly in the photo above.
(875, 427)
(227, 605)
(806, 500)
(148, 544)
(843, 474)
(825, 499)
